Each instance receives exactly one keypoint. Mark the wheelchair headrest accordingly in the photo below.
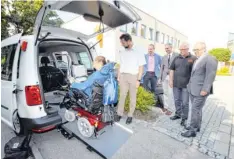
(45, 60)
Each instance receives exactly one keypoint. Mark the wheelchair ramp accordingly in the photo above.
(109, 139)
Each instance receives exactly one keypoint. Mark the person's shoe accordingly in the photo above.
(117, 118)
(129, 120)
(189, 133)
(175, 117)
(183, 121)
(189, 128)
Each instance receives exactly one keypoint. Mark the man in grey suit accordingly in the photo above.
(169, 104)
(199, 87)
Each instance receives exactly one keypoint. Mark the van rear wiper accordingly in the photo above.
(47, 34)
(81, 40)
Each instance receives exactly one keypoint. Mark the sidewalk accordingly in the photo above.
(216, 138)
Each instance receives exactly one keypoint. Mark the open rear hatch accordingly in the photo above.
(80, 19)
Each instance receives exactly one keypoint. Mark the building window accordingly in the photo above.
(143, 30)
(175, 44)
(157, 35)
(171, 41)
(134, 28)
(150, 33)
(123, 28)
(163, 38)
(167, 39)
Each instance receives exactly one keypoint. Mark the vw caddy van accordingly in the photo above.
(34, 68)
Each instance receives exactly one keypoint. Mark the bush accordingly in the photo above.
(144, 102)
(224, 71)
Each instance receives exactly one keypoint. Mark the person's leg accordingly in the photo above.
(165, 93)
(197, 105)
(200, 121)
(124, 88)
(185, 103)
(153, 81)
(171, 101)
(146, 80)
(133, 94)
(178, 101)
(177, 92)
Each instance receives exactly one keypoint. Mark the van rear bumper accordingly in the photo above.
(43, 122)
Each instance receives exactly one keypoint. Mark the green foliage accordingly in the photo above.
(4, 23)
(52, 19)
(20, 15)
(144, 102)
(222, 54)
(224, 71)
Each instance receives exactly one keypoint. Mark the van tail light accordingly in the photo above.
(24, 46)
(33, 95)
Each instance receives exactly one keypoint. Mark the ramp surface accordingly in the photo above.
(109, 140)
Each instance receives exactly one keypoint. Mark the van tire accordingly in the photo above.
(17, 124)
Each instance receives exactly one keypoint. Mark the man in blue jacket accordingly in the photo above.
(151, 69)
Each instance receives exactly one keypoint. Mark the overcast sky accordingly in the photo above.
(200, 20)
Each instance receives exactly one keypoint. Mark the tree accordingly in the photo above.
(4, 23)
(52, 19)
(222, 54)
(19, 16)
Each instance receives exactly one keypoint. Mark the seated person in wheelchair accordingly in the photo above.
(99, 76)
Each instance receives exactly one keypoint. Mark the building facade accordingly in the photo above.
(148, 30)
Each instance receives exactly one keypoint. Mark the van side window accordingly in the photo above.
(85, 59)
(7, 60)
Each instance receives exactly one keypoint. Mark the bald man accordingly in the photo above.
(199, 87)
(180, 72)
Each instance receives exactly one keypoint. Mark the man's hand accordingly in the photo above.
(137, 84)
(171, 83)
(118, 78)
(203, 93)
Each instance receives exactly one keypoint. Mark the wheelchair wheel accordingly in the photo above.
(84, 127)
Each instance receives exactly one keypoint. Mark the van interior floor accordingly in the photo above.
(53, 100)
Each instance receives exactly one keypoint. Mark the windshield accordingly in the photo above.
(71, 21)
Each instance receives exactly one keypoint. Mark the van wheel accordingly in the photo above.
(18, 127)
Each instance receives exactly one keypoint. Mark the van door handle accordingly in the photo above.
(16, 91)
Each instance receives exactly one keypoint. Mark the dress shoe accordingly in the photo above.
(189, 133)
(183, 121)
(129, 120)
(117, 118)
(189, 128)
(175, 117)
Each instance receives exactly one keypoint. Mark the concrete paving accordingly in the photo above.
(216, 136)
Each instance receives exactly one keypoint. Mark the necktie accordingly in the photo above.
(169, 58)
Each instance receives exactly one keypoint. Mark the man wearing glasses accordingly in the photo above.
(169, 105)
(180, 72)
(199, 87)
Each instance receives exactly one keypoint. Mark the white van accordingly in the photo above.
(35, 67)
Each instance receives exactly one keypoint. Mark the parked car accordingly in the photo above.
(31, 73)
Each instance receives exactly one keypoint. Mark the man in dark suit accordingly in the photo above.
(168, 96)
(199, 87)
